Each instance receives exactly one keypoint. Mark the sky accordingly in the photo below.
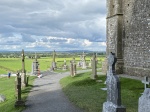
(46, 25)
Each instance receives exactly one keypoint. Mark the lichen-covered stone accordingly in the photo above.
(128, 35)
(144, 101)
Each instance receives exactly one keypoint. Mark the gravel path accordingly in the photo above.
(47, 95)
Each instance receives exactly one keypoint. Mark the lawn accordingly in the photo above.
(86, 93)
(15, 64)
(7, 88)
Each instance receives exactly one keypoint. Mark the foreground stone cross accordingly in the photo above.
(113, 103)
(23, 73)
(94, 67)
(144, 101)
(53, 66)
(18, 102)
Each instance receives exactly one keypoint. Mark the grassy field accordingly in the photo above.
(86, 93)
(8, 89)
(14, 64)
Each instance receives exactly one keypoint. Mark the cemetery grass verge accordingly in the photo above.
(7, 88)
(86, 93)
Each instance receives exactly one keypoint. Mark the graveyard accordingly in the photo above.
(83, 89)
(77, 56)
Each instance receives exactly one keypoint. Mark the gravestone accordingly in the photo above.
(83, 61)
(146, 82)
(18, 102)
(94, 67)
(23, 73)
(113, 103)
(74, 69)
(35, 66)
(65, 67)
(2, 98)
(53, 66)
(104, 66)
(71, 69)
(144, 101)
(90, 63)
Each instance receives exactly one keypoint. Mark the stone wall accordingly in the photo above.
(136, 37)
(135, 33)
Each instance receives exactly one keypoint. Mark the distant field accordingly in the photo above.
(14, 64)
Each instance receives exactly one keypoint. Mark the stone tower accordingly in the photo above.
(115, 31)
(128, 35)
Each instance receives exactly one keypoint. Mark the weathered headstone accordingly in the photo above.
(146, 82)
(94, 67)
(35, 66)
(74, 69)
(18, 102)
(90, 63)
(113, 103)
(2, 98)
(71, 69)
(83, 61)
(144, 101)
(23, 73)
(104, 66)
(53, 66)
(65, 67)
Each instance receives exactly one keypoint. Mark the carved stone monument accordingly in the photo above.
(144, 101)
(71, 69)
(113, 103)
(23, 72)
(18, 102)
(35, 66)
(83, 61)
(94, 67)
(65, 67)
(53, 66)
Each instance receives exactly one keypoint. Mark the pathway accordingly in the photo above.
(47, 95)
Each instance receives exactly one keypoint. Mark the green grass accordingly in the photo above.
(14, 64)
(8, 89)
(86, 93)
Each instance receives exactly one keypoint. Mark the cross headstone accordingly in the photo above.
(35, 66)
(23, 73)
(83, 61)
(144, 101)
(74, 69)
(53, 66)
(113, 103)
(18, 102)
(71, 69)
(146, 82)
(65, 67)
(94, 67)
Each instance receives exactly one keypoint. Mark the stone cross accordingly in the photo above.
(113, 103)
(146, 82)
(83, 61)
(71, 69)
(54, 55)
(94, 67)
(53, 66)
(18, 102)
(23, 73)
(23, 61)
(35, 66)
(74, 69)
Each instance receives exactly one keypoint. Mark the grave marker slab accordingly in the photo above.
(94, 67)
(2, 98)
(113, 103)
(144, 101)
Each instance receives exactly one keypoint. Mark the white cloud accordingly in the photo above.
(58, 24)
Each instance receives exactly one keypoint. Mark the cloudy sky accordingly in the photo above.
(62, 25)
